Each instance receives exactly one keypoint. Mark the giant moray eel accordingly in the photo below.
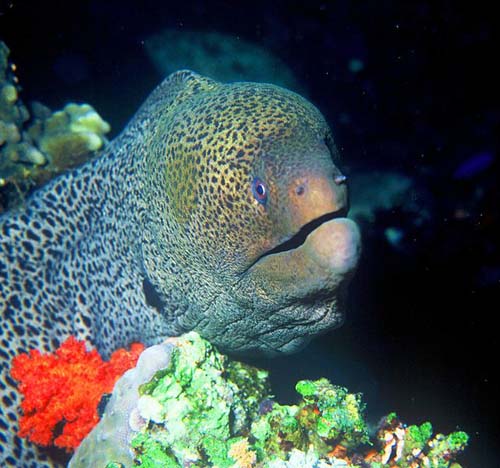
(218, 209)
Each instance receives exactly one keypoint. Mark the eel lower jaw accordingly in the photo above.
(298, 239)
(330, 244)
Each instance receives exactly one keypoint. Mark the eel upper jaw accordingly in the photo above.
(297, 239)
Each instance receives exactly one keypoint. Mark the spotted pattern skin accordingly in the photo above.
(168, 207)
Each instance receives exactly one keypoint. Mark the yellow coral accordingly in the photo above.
(24, 152)
(241, 453)
(72, 133)
(85, 119)
(67, 148)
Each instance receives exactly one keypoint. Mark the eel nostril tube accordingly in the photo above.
(340, 179)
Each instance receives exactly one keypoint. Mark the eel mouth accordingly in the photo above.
(298, 239)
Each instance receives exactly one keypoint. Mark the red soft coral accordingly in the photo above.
(66, 387)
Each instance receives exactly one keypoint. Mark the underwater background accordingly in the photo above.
(410, 91)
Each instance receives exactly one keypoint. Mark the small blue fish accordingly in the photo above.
(474, 165)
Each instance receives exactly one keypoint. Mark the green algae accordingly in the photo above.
(205, 403)
(207, 410)
(420, 447)
(340, 412)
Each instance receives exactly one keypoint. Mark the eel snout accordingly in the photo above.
(324, 242)
(314, 195)
(319, 204)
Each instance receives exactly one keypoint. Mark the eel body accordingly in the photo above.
(218, 209)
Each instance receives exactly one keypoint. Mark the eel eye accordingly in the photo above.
(259, 190)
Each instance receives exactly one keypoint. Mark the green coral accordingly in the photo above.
(340, 412)
(437, 450)
(277, 431)
(327, 415)
(204, 401)
(153, 452)
(447, 446)
(417, 437)
(203, 409)
(418, 446)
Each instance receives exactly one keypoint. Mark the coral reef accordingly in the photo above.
(111, 438)
(73, 132)
(327, 417)
(222, 57)
(64, 389)
(210, 402)
(36, 144)
(414, 446)
(185, 404)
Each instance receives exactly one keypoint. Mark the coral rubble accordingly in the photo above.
(36, 144)
(202, 409)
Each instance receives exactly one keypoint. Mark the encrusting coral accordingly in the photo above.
(415, 446)
(210, 402)
(73, 132)
(36, 144)
(65, 388)
(185, 404)
(111, 438)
